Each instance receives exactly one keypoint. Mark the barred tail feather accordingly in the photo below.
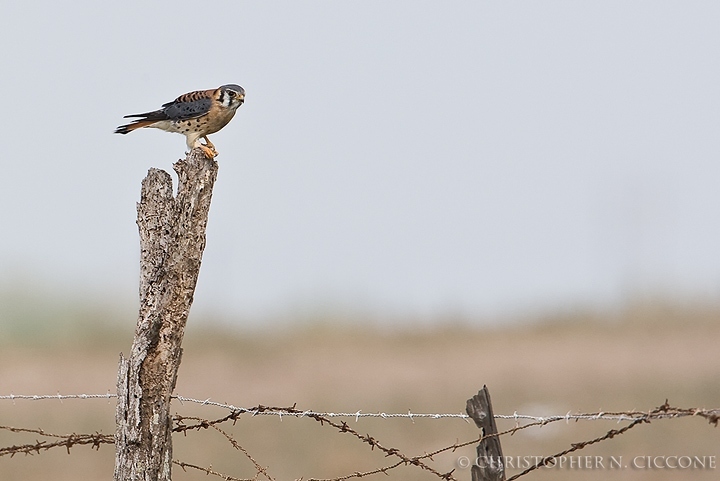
(138, 124)
(143, 120)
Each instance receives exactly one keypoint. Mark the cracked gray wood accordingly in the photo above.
(172, 240)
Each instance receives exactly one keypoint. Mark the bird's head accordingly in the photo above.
(231, 96)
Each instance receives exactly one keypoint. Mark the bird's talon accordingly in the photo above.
(209, 153)
(208, 143)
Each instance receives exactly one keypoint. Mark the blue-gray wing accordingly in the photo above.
(187, 106)
(183, 110)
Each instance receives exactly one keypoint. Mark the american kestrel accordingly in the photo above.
(195, 115)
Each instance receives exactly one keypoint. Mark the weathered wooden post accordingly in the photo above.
(489, 464)
(172, 240)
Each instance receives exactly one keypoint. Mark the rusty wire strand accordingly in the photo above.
(66, 440)
(549, 460)
(226, 477)
(358, 474)
(236, 445)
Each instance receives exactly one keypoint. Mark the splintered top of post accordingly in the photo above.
(479, 409)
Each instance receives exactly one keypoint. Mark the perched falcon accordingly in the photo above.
(195, 115)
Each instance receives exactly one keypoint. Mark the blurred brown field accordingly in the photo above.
(631, 359)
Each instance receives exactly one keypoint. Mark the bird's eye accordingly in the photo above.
(231, 93)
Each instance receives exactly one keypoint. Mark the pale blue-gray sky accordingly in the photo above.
(408, 157)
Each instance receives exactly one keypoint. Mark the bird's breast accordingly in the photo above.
(217, 118)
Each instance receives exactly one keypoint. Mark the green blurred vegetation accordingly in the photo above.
(47, 317)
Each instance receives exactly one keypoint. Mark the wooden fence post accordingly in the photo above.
(172, 240)
(489, 464)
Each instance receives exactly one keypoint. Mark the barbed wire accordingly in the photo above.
(634, 418)
(58, 396)
(342, 427)
(66, 440)
(713, 415)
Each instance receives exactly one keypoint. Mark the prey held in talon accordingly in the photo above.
(195, 115)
